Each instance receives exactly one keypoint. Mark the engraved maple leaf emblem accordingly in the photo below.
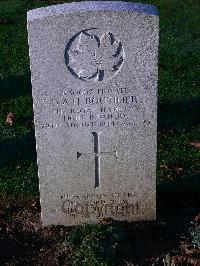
(91, 57)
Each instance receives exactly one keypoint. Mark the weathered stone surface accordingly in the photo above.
(94, 78)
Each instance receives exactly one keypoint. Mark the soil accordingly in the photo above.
(23, 240)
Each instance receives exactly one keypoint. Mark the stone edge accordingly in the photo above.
(56, 10)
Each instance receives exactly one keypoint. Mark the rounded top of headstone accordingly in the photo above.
(56, 10)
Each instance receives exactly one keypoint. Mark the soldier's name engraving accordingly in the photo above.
(128, 99)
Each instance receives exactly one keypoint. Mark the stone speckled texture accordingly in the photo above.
(94, 79)
(92, 6)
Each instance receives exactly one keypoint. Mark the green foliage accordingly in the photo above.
(100, 245)
(178, 105)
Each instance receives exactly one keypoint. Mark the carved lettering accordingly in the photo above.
(100, 205)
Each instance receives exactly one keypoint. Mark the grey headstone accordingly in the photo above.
(94, 79)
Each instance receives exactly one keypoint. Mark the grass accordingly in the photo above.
(97, 245)
(18, 169)
(178, 105)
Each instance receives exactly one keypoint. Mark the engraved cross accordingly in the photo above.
(97, 157)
